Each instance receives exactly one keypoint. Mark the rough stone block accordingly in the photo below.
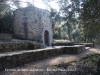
(74, 49)
(46, 53)
(38, 55)
(13, 46)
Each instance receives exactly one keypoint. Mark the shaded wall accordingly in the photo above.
(31, 23)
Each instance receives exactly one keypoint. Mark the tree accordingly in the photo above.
(56, 23)
(90, 15)
(68, 11)
(6, 18)
(6, 14)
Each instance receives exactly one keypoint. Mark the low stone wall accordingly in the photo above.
(62, 44)
(12, 59)
(86, 44)
(71, 44)
(17, 46)
(74, 49)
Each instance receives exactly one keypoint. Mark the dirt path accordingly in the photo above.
(41, 67)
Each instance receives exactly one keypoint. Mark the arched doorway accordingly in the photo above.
(46, 38)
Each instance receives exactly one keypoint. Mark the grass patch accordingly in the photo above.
(93, 59)
(5, 36)
(87, 65)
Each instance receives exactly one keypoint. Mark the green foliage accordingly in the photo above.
(97, 72)
(5, 36)
(91, 10)
(6, 19)
(68, 11)
(90, 18)
(79, 20)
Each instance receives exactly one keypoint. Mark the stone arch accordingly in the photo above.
(46, 38)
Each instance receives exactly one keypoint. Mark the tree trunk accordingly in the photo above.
(69, 33)
(1, 26)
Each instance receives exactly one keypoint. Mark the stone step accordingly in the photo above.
(18, 58)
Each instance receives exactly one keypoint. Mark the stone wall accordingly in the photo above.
(75, 49)
(71, 44)
(20, 58)
(63, 44)
(17, 46)
(86, 44)
(31, 23)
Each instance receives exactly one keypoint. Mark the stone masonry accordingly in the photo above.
(19, 58)
(31, 23)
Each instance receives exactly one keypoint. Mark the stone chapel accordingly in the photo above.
(32, 23)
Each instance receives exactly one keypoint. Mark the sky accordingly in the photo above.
(38, 3)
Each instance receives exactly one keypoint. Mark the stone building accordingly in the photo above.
(33, 23)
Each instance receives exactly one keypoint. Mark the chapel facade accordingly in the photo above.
(33, 23)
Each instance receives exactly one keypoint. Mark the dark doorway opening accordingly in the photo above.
(46, 38)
